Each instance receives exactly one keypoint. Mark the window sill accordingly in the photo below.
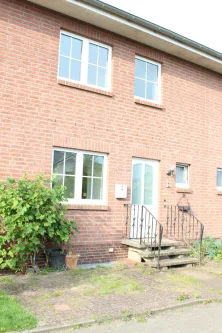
(219, 192)
(88, 207)
(84, 87)
(184, 190)
(147, 103)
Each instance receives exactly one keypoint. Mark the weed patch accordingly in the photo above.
(13, 317)
(183, 297)
(177, 278)
(112, 284)
(7, 280)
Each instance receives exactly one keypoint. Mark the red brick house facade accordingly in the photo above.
(175, 122)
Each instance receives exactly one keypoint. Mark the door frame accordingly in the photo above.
(155, 164)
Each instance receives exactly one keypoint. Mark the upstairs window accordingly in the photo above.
(84, 61)
(147, 80)
(82, 173)
(219, 179)
(182, 175)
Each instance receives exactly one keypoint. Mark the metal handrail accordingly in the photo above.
(182, 225)
(141, 224)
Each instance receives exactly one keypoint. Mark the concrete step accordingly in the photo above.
(174, 262)
(163, 253)
(136, 243)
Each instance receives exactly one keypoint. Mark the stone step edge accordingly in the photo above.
(175, 252)
(174, 262)
(83, 323)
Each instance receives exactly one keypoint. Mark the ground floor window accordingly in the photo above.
(219, 179)
(182, 175)
(82, 173)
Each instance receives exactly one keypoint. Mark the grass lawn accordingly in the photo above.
(13, 317)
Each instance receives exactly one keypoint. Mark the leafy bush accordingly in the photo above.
(210, 248)
(31, 214)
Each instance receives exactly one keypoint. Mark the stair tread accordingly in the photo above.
(136, 243)
(177, 251)
(174, 262)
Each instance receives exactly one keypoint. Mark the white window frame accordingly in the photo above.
(158, 101)
(219, 188)
(85, 63)
(79, 176)
(182, 185)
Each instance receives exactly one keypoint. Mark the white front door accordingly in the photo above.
(145, 174)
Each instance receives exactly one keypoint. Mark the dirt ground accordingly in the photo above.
(58, 298)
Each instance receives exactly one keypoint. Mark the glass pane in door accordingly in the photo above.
(137, 184)
(148, 185)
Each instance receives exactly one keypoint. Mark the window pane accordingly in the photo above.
(69, 183)
(70, 164)
(75, 70)
(152, 72)
(97, 189)
(137, 181)
(76, 48)
(57, 181)
(139, 88)
(103, 56)
(219, 178)
(98, 166)
(102, 77)
(148, 185)
(64, 67)
(152, 91)
(93, 54)
(87, 165)
(58, 161)
(181, 175)
(65, 45)
(140, 68)
(92, 73)
(86, 188)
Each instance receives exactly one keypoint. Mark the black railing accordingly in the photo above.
(182, 225)
(142, 225)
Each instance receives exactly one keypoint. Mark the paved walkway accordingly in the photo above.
(204, 318)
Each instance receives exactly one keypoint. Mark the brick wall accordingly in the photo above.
(39, 112)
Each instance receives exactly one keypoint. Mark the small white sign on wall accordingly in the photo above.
(120, 191)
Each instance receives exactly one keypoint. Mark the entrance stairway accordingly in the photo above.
(171, 244)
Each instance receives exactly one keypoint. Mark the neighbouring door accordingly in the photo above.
(145, 174)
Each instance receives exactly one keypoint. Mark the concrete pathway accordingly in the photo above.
(204, 318)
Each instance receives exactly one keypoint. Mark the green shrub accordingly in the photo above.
(210, 248)
(31, 214)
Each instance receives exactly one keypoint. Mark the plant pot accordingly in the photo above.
(56, 257)
(72, 260)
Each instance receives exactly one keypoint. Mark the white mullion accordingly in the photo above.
(85, 58)
(79, 176)
(146, 82)
(159, 83)
(70, 60)
(63, 179)
(97, 66)
(92, 177)
(109, 67)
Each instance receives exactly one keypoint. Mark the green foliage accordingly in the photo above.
(196, 295)
(183, 297)
(111, 284)
(31, 213)
(210, 248)
(13, 317)
(47, 269)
